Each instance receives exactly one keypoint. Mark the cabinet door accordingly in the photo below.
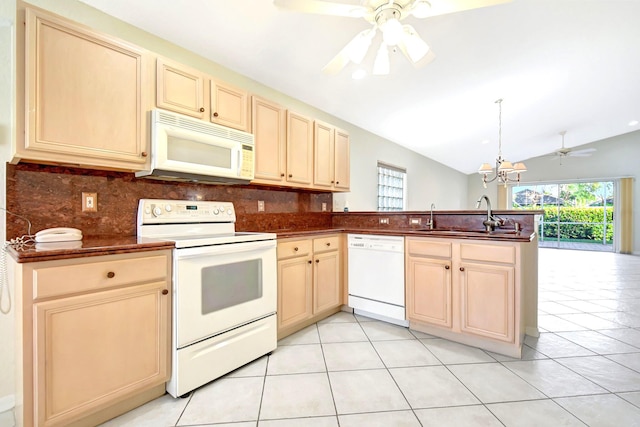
(230, 106)
(85, 95)
(299, 149)
(326, 281)
(487, 300)
(429, 291)
(294, 291)
(323, 159)
(95, 348)
(269, 130)
(180, 89)
(342, 171)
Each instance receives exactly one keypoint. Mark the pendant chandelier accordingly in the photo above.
(504, 171)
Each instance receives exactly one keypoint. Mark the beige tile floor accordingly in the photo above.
(347, 370)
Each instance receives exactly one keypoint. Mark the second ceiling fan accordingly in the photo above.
(386, 16)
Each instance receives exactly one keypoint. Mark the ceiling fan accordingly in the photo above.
(568, 152)
(386, 16)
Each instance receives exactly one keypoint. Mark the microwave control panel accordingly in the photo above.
(246, 167)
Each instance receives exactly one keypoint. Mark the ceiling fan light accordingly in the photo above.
(485, 168)
(505, 166)
(421, 9)
(519, 167)
(392, 32)
(381, 63)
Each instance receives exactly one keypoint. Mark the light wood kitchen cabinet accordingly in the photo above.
(331, 157)
(185, 90)
(309, 281)
(466, 291)
(86, 95)
(342, 156)
(96, 336)
(299, 149)
(180, 89)
(269, 131)
(230, 106)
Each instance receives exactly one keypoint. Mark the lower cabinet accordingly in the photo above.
(309, 281)
(96, 336)
(466, 291)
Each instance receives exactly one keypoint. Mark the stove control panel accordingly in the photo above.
(158, 211)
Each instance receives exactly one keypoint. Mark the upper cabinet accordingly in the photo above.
(230, 106)
(299, 149)
(85, 96)
(294, 150)
(184, 90)
(269, 131)
(331, 157)
(180, 89)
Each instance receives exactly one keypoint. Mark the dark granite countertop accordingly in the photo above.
(88, 246)
(499, 235)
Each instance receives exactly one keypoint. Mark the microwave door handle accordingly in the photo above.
(239, 164)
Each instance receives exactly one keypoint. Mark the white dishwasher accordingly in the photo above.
(376, 277)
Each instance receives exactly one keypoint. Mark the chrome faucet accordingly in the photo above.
(431, 224)
(490, 223)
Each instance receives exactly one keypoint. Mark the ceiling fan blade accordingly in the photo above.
(584, 152)
(442, 7)
(381, 64)
(414, 48)
(322, 7)
(354, 51)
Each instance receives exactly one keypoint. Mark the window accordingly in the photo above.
(577, 215)
(392, 187)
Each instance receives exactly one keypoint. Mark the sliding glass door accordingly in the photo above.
(577, 215)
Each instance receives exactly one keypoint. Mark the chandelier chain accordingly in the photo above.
(499, 102)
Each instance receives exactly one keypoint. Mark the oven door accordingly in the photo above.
(220, 287)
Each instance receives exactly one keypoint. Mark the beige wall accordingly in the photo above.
(615, 158)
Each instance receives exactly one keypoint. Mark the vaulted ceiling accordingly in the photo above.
(558, 64)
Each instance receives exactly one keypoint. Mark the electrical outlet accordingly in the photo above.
(89, 202)
(414, 221)
(260, 205)
(384, 221)
(324, 207)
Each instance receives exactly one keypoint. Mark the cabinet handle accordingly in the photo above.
(337, 182)
(202, 109)
(290, 176)
(215, 114)
(295, 249)
(328, 243)
(446, 267)
(309, 261)
(461, 268)
(144, 154)
(332, 182)
(317, 261)
(165, 291)
(111, 275)
(281, 175)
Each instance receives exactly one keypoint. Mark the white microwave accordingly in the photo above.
(188, 149)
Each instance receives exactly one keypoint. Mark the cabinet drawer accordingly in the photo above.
(329, 243)
(490, 253)
(294, 248)
(429, 248)
(87, 276)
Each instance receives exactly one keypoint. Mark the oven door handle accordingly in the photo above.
(226, 249)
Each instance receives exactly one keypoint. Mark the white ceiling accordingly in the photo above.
(569, 65)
